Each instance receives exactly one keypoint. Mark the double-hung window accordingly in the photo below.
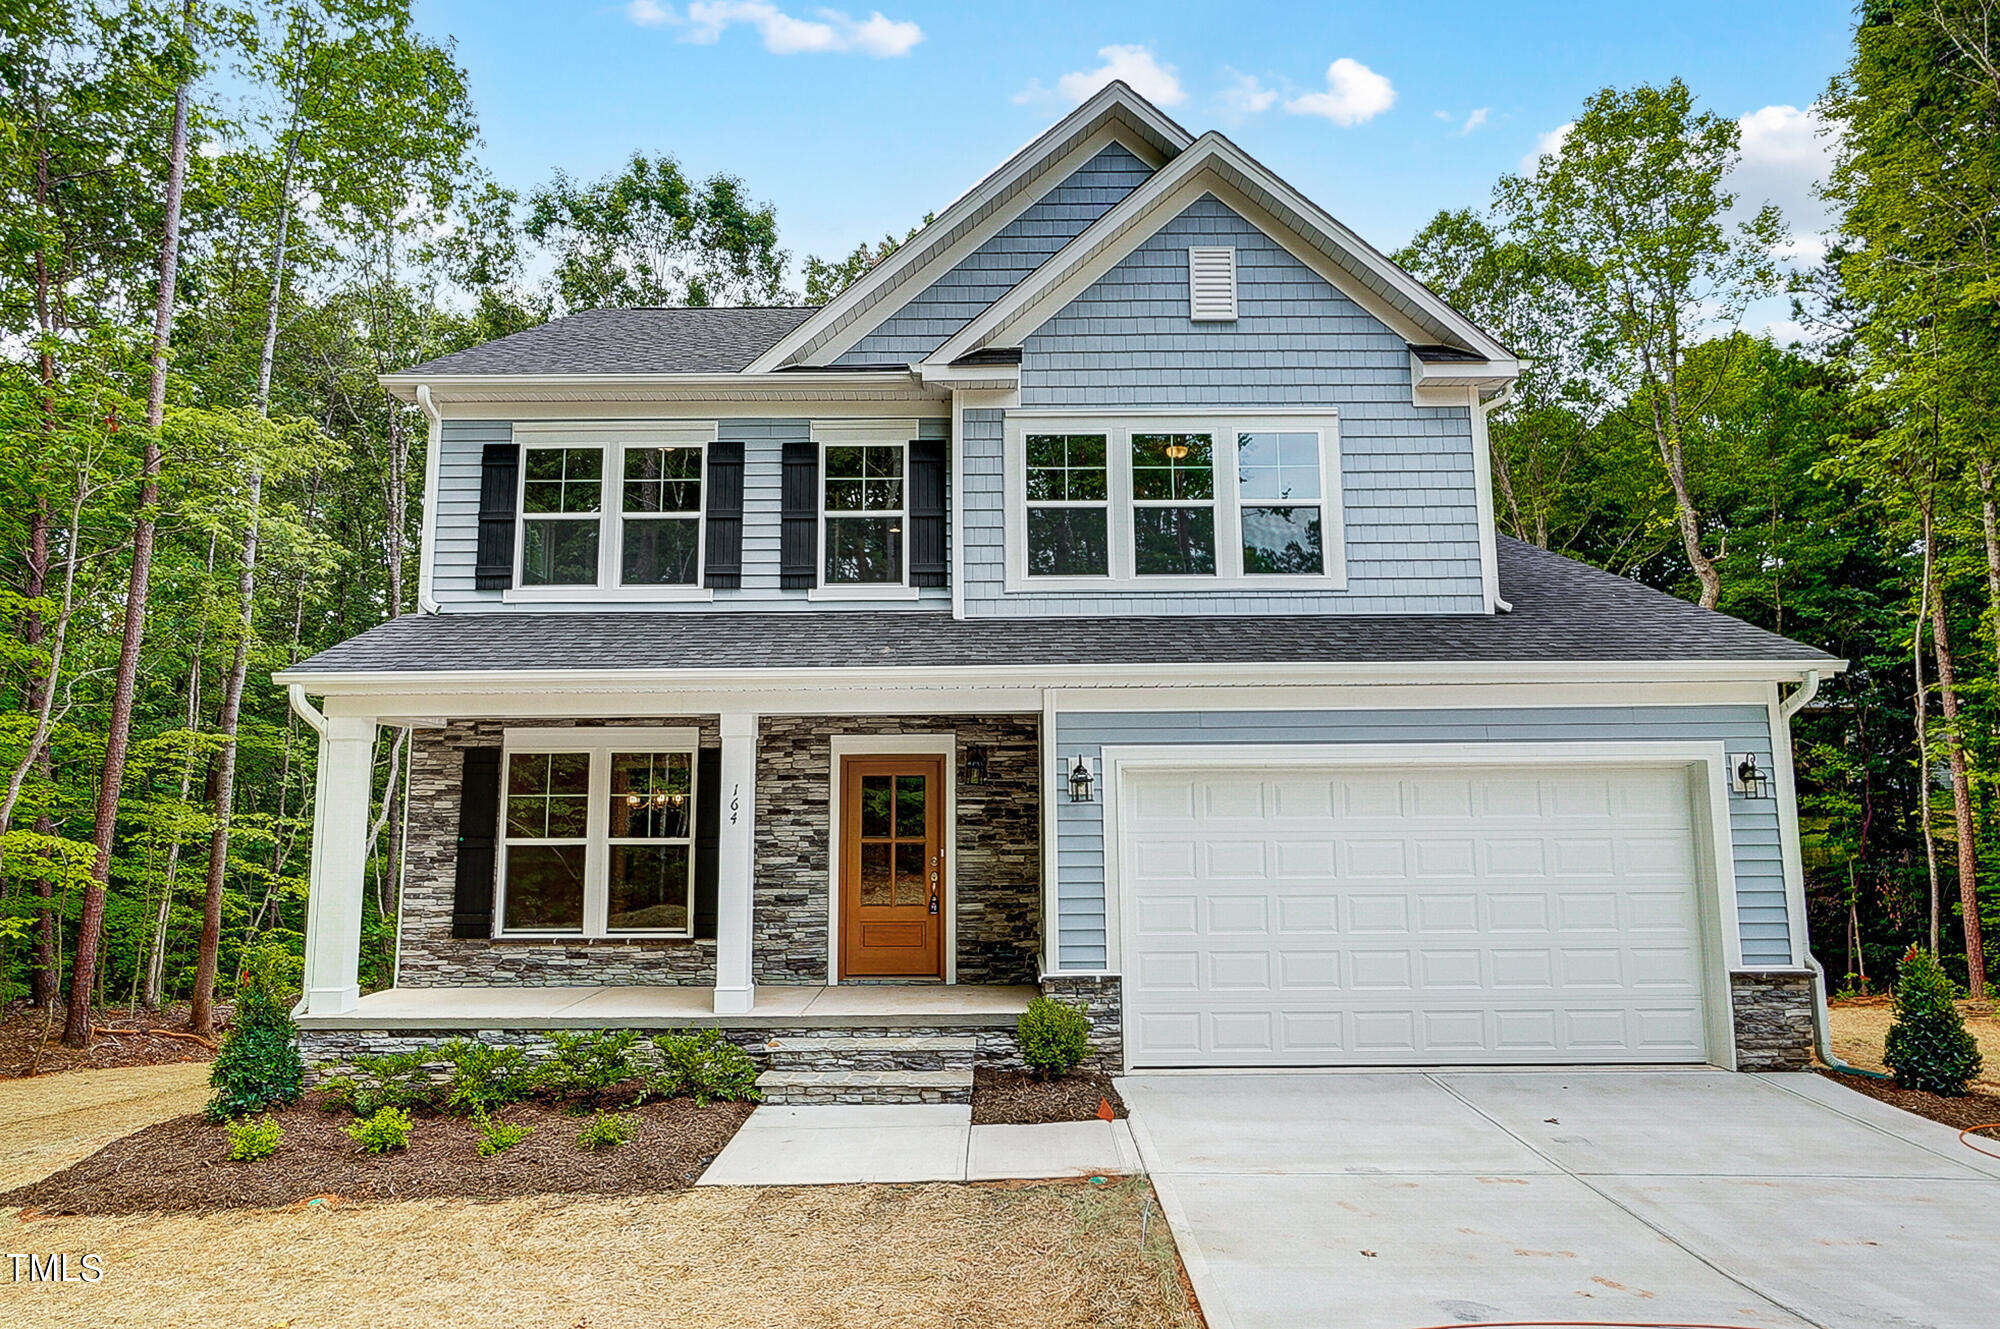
(1109, 501)
(661, 535)
(864, 514)
(598, 833)
(611, 508)
(562, 495)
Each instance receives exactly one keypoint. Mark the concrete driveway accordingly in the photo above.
(1392, 1201)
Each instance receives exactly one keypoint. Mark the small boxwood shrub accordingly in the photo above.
(393, 1080)
(496, 1136)
(703, 1065)
(253, 1138)
(485, 1076)
(1929, 1047)
(258, 1065)
(606, 1130)
(388, 1128)
(584, 1064)
(1055, 1037)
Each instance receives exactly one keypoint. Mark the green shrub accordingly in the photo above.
(258, 1065)
(388, 1128)
(393, 1080)
(1929, 1047)
(606, 1130)
(703, 1065)
(585, 1064)
(253, 1138)
(497, 1136)
(485, 1076)
(1055, 1037)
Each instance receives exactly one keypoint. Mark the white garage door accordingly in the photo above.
(1311, 916)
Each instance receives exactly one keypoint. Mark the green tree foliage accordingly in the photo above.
(258, 1066)
(826, 278)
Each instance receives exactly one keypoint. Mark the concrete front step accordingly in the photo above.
(876, 1052)
(795, 1087)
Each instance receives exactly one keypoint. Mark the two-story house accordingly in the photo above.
(1100, 596)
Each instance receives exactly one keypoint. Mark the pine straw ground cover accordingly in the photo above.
(120, 1038)
(1018, 1098)
(183, 1164)
(1860, 1025)
(51, 1121)
(1036, 1256)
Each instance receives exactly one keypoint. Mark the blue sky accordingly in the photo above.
(858, 122)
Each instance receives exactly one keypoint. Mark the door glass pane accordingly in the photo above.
(1281, 466)
(563, 480)
(910, 807)
(1282, 540)
(648, 887)
(1172, 466)
(558, 553)
(650, 795)
(544, 888)
(1068, 542)
(864, 551)
(876, 795)
(876, 888)
(660, 551)
(912, 885)
(1171, 541)
(548, 794)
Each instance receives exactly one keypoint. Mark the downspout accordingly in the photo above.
(1822, 1021)
(427, 535)
(316, 721)
(1489, 545)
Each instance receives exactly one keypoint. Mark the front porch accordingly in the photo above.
(880, 1006)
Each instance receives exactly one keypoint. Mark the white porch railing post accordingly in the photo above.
(339, 864)
(736, 866)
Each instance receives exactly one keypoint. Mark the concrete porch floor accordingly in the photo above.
(881, 1005)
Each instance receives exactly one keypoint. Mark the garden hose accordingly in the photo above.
(1983, 1126)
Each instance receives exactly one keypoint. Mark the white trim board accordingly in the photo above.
(1707, 764)
(945, 745)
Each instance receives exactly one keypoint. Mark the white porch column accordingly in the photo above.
(736, 866)
(340, 858)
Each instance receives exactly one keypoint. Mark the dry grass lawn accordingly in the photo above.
(1860, 1028)
(1047, 1255)
(48, 1122)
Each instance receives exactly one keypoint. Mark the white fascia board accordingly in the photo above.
(452, 388)
(1489, 376)
(1156, 138)
(972, 378)
(1215, 165)
(1186, 676)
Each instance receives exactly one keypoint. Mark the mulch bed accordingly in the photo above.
(1961, 1113)
(1016, 1098)
(184, 1164)
(119, 1038)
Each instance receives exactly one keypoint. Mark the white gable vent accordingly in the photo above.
(1212, 284)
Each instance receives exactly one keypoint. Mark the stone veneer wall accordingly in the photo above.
(431, 957)
(998, 892)
(1774, 1020)
(1102, 1001)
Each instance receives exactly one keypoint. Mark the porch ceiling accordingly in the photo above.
(876, 1005)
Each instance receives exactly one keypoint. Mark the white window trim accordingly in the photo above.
(863, 433)
(599, 744)
(1223, 427)
(612, 439)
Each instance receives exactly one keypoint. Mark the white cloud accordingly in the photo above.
(1246, 95)
(1474, 121)
(830, 31)
(1354, 95)
(1547, 145)
(1785, 154)
(1136, 65)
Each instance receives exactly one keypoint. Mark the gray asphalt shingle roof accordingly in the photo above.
(1563, 611)
(629, 341)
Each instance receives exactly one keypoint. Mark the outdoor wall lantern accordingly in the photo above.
(1080, 780)
(1749, 779)
(975, 764)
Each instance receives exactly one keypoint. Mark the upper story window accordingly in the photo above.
(661, 532)
(610, 508)
(562, 493)
(864, 514)
(1128, 503)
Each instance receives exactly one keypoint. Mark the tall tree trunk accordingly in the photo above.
(118, 732)
(1921, 698)
(1989, 522)
(1961, 777)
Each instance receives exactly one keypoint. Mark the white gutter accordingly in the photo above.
(1808, 689)
(793, 383)
(306, 711)
(427, 536)
(1489, 551)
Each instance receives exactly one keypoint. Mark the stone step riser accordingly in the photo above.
(822, 1084)
(802, 1060)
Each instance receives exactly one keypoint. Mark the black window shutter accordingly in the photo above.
(928, 563)
(707, 835)
(478, 822)
(798, 533)
(499, 481)
(724, 555)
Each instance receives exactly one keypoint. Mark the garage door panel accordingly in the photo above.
(1282, 917)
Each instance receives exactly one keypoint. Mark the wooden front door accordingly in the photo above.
(892, 867)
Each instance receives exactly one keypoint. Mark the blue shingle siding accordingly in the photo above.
(763, 456)
(1407, 472)
(922, 324)
(1753, 823)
